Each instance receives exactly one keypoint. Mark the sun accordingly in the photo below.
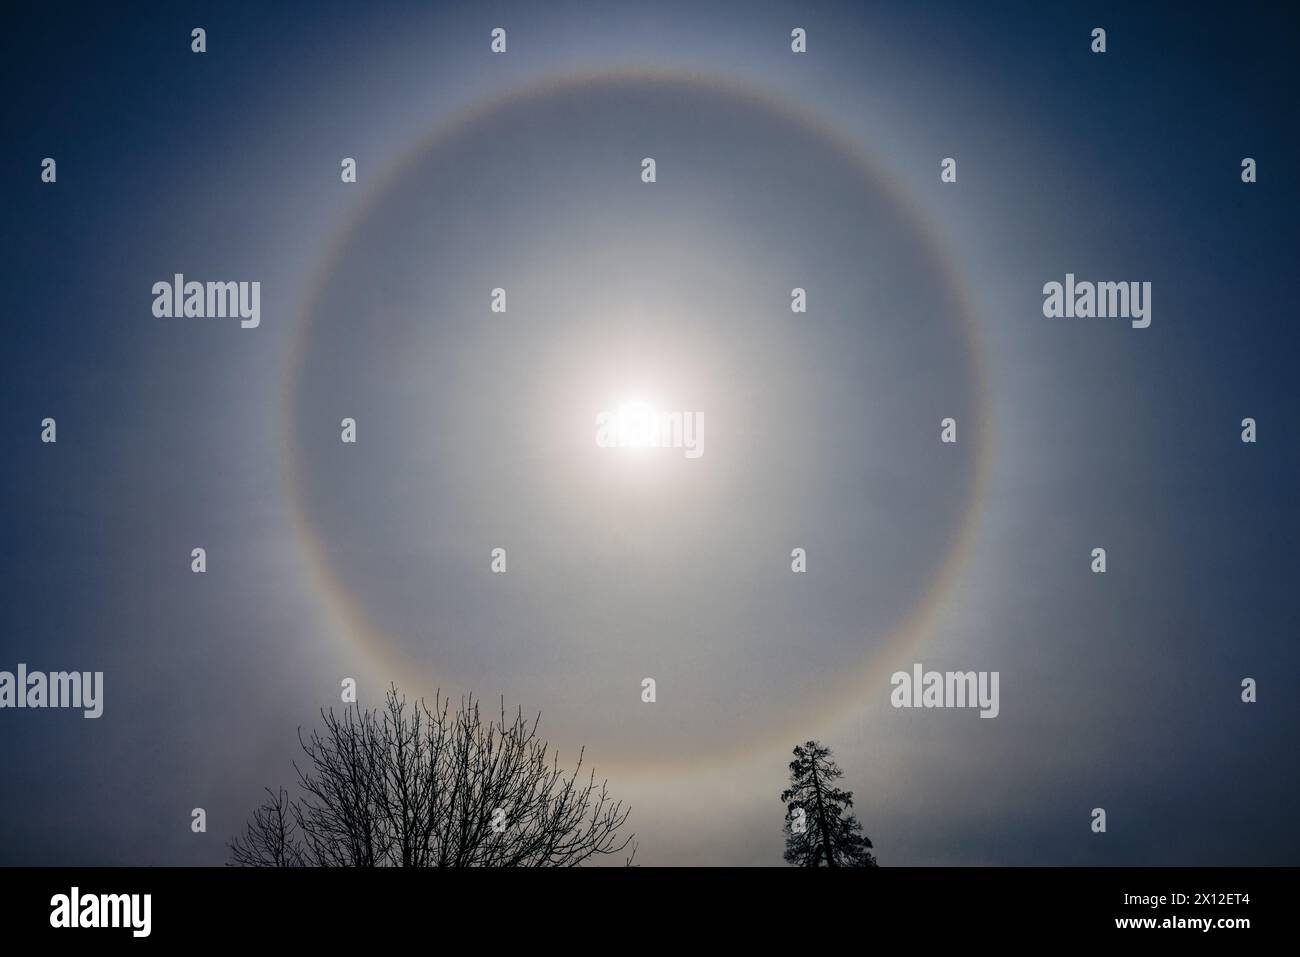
(637, 425)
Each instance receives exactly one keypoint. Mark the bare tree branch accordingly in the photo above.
(413, 786)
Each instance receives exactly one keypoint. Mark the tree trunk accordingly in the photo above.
(827, 849)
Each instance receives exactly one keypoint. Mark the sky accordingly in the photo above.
(820, 429)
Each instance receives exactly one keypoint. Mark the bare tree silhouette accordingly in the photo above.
(413, 786)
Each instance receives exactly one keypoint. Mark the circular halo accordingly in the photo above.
(868, 674)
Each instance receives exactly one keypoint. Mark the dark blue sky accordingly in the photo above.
(775, 170)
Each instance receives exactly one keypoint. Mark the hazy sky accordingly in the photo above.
(821, 429)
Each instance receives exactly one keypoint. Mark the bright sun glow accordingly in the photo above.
(637, 425)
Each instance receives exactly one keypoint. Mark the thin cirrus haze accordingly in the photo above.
(477, 429)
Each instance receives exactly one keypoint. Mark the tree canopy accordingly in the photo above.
(820, 828)
(408, 785)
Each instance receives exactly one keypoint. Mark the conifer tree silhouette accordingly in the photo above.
(826, 833)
